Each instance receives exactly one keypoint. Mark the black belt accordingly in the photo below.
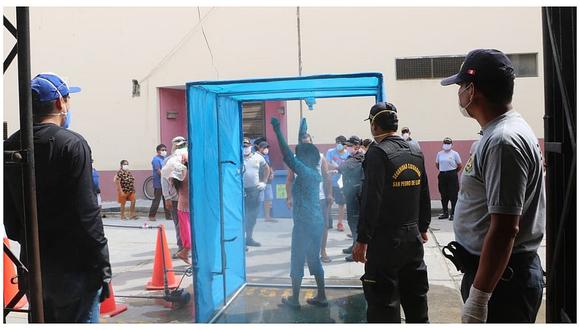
(467, 262)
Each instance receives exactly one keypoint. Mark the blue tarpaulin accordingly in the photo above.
(214, 111)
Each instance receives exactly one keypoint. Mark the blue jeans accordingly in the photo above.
(306, 240)
(95, 310)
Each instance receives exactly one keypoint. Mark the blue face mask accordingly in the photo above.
(67, 120)
(339, 147)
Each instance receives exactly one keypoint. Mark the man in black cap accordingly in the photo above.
(352, 175)
(500, 213)
(395, 213)
(74, 255)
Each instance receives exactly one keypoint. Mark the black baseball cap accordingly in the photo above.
(263, 144)
(246, 141)
(340, 139)
(482, 66)
(353, 140)
(387, 110)
(447, 140)
(381, 106)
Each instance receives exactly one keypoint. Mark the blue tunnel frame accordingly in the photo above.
(214, 114)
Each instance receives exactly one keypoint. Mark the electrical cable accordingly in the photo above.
(178, 46)
(208, 46)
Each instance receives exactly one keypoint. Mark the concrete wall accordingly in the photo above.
(103, 49)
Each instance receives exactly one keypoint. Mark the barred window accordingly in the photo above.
(525, 65)
(253, 119)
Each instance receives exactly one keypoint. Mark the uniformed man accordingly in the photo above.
(500, 214)
(394, 218)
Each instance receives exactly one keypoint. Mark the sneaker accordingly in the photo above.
(443, 216)
(347, 250)
(451, 217)
(251, 242)
(349, 258)
(325, 259)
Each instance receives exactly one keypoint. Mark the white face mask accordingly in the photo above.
(447, 147)
(405, 136)
(163, 153)
(266, 151)
(247, 151)
(463, 109)
(125, 167)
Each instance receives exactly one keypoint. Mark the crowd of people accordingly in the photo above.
(380, 185)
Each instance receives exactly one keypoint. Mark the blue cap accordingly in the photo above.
(50, 87)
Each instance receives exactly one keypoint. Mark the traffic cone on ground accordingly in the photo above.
(161, 253)
(109, 307)
(11, 281)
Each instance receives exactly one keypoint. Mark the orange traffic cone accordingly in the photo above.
(109, 307)
(161, 251)
(11, 280)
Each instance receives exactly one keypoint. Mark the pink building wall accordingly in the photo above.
(273, 109)
(172, 101)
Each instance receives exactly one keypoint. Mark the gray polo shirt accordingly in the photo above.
(504, 175)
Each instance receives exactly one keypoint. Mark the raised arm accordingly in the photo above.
(302, 130)
(294, 164)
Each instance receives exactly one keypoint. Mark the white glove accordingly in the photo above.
(261, 186)
(475, 308)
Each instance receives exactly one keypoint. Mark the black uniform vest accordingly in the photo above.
(405, 172)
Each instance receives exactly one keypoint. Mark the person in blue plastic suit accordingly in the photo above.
(307, 216)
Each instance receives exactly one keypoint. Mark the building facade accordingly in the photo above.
(133, 63)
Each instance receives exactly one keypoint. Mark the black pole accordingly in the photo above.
(36, 314)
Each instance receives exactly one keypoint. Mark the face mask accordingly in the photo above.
(125, 167)
(247, 151)
(339, 147)
(447, 147)
(405, 136)
(265, 151)
(463, 109)
(163, 153)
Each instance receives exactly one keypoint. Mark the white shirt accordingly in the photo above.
(448, 160)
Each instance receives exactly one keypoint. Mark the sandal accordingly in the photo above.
(325, 259)
(134, 217)
(286, 301)
(123, 218)
(316, 302)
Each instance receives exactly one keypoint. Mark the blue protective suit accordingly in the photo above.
(306, 212)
